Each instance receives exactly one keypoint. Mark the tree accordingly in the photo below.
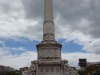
(10, 73)
(93, 69)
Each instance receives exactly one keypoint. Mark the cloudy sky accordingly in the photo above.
(77, 24)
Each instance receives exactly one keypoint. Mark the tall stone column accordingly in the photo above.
(48, 26)
(49, 48)
(48, 10)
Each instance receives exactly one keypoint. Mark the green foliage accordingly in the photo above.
(92, 70)
(10, 73)
(81, 72)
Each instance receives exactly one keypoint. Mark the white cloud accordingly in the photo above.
(5, 51)
(25, 59)
(93, 46)
(73, 58)
(18, 61)
(88, 43)
(13, 23)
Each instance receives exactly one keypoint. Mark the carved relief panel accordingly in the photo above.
(49, 52)
(49, 70)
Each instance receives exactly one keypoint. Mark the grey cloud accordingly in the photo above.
(72, 11)
(8, 6)
(5, 7)
(34, 32)
(33, 8)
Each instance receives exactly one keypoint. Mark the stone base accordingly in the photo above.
(51, 68)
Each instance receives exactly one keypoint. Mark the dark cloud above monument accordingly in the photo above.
(33, 8)
(74, 11)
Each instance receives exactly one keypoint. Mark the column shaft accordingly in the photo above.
(48, 26)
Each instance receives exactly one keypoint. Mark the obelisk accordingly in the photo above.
(48, 26)
(49, 48)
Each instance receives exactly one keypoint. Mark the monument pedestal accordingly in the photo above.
(49, 67)
(49, 59)
(49, 51)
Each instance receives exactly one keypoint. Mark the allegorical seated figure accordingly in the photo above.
(69, 70)
(33, 68)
